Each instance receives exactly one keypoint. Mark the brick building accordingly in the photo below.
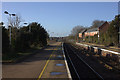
(103, 28)
(93, 31)
(81, 34)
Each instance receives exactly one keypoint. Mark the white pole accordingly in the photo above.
(98, 36)
(30, 28)
(89, 37)
(10, 28)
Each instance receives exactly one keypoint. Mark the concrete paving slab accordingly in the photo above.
(53, 71)
(32, 67)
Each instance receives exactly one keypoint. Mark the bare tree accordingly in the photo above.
(97, 23)
(77, 29)
(15, 21)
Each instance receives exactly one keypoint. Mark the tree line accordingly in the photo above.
(109, 38)
(22, 39)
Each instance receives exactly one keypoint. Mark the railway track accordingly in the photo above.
(107, 61)
(78, 67)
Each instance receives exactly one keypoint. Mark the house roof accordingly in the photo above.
(95, 29)
(83, 30)
(102, 24)
(91, 30)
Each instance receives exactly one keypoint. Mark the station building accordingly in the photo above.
(93, 31)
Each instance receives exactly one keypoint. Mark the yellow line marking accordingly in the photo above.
(45, 65)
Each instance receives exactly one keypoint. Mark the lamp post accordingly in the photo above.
(29, 27)
(9, 23)
(1, 24)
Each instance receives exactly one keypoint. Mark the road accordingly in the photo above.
(40, 65)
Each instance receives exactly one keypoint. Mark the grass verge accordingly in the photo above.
(15, 57)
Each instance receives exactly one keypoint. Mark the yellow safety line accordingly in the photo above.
(45, 66)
